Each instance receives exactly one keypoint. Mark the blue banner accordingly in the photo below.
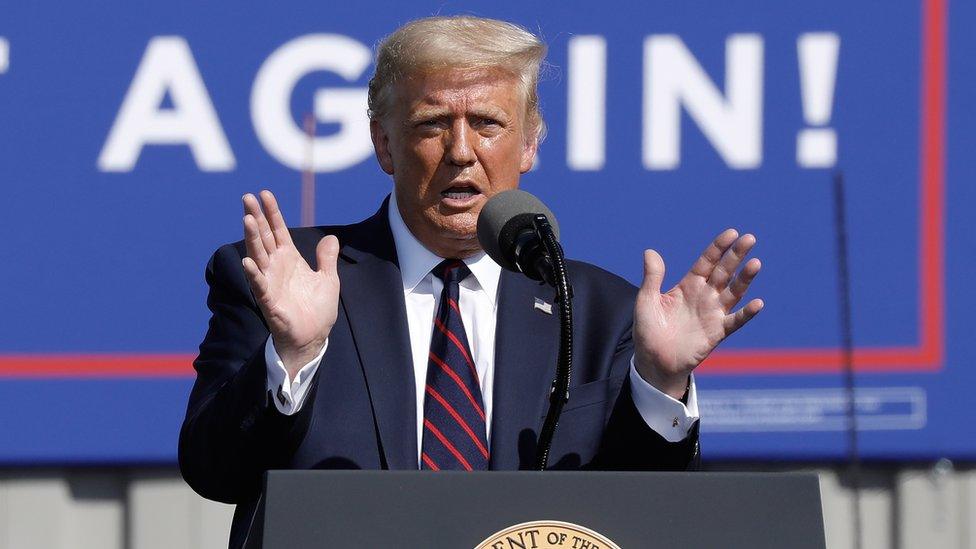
(128, 134)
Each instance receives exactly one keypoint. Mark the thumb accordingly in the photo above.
(653, 272)
(326, 254)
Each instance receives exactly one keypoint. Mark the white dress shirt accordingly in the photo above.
(478, 303)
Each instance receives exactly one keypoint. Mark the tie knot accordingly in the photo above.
(451, 271)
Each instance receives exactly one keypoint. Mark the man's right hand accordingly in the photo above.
(299, 304)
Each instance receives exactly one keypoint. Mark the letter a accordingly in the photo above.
(167, 66)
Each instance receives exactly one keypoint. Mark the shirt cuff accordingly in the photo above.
(289, 395)
(667, 416)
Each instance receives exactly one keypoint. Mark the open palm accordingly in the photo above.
(299, 303)
(676, 330)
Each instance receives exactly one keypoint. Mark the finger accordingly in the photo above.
(739, 318)
(713, 253)
(256, 279)
(653, 271)
(253, 243)
(326, 254)
(252, 207)
(726, 267)
(275, 219)
(740, 284)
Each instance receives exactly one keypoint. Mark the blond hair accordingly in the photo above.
(458, 42)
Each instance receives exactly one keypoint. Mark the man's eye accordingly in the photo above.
(490, 122)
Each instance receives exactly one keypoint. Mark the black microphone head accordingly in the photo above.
(504, 217)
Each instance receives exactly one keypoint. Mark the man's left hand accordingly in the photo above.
(675, 331)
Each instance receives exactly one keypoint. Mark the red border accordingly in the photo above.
(927, 355)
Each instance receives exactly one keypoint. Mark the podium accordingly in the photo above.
(538, 510)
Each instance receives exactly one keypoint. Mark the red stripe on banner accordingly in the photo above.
(932, 163)
(96, 365)
(457, 379)
(457, 417)
(447, 444)
(803, 361)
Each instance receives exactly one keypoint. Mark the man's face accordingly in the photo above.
(453, 139)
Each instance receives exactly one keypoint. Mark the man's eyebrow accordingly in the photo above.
(481, 111)
(489, 111)
(427, 113)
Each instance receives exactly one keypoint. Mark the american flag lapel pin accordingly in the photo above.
(543, 306)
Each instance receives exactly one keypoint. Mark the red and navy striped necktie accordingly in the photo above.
(454, 414)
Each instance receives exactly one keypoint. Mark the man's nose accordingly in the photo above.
(460, 146)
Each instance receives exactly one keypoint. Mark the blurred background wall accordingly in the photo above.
(129, 132)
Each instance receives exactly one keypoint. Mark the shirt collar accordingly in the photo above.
(416, 261)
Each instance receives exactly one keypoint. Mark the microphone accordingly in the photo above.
(521, 234)
(509, 229)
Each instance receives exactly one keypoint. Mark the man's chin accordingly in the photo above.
(456, 240)
(458, 235)
(457, 224)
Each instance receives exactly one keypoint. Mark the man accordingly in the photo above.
(395, 343)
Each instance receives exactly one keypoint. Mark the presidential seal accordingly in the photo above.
(547, 534)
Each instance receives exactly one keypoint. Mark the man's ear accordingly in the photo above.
(381, 145)
(529, 148)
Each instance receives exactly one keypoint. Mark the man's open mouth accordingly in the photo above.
(460, 192)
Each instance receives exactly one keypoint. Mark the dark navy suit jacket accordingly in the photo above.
(361, 411)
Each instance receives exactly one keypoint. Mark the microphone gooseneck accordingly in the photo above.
(559, 395)
(521, 234)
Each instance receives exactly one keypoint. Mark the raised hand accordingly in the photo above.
(299, 304)
(675, 331)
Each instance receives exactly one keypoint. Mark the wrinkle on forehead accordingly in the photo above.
(444, 92)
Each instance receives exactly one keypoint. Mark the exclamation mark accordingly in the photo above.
(816, 147)
(4, 55)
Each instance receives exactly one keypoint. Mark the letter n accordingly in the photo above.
(732, 123)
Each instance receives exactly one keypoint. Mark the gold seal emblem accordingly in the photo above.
(547, 534)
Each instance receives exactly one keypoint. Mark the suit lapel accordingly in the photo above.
(526, 345)
(371, 295)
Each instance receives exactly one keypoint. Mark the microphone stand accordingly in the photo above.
(557, 277)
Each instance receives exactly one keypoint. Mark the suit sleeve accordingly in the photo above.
(628, 443)
(232, 432)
